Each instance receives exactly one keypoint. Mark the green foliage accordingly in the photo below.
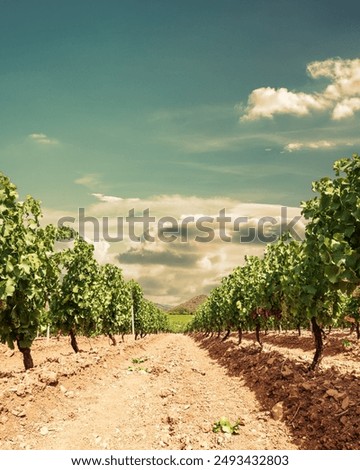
(299, 281)
(77, 301)
(84, 297)
(148, 318)
(346, 343)
(180, 311)
(139, 360)
(26, 272)
(138, 369)
(225, 426)
(334, 227)
(178, 323)
(115, 315)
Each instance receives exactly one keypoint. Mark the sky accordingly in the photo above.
(183, 108)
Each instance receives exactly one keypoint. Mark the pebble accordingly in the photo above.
(18, 413)
(44, 430)
(48, 377)
(277, 411)
(20, 390)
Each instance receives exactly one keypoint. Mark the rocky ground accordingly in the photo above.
(168, 391)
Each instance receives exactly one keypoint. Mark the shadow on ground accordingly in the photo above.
(321, 410)
(335, 342)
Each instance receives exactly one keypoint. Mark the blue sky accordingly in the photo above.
(245, 100)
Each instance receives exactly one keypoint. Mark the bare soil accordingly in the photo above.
(167, 391)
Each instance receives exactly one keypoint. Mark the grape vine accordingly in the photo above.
(299, 282)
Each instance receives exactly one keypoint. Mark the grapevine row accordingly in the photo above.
(297, 283)
(68, 290)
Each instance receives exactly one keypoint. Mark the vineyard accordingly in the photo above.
(299, 283)
(275, 347)
(64, 291)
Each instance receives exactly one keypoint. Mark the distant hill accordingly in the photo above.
(190, 305)
(164, 308)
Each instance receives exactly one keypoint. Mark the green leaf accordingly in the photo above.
(333, 273)
(10, 287)
(226, 429)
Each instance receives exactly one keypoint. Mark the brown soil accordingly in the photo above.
(167, 391)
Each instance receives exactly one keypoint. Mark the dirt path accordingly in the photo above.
(103, 400)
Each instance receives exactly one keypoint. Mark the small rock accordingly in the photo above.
(334, 394)
(345, 403)
(20, 390)
(343, 420)
(306, 386)
(287, 372)
(10, 353)
(277, 411)
(70, 394)
(30, 380)
(18, 413)
(49, 377)
(63, 389)
(44, 430)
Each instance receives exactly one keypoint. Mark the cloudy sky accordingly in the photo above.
(184, 108)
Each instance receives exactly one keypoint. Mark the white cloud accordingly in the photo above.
(101, 252)
(265, 102)
(320, 144)
(204, 143)
(346, 108)
(341, 96)
(90, 180)
(344, 74)
(205, 263)
(43, 139)
(102, 197)
(174, 271)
